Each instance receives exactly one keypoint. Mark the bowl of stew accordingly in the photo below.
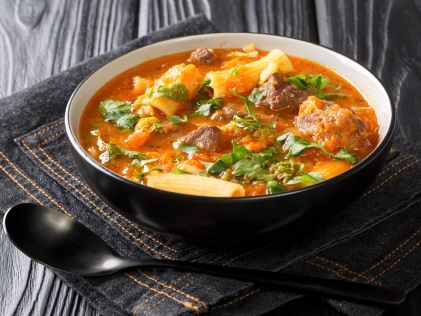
(230, 135)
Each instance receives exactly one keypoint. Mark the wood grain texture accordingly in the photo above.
(41, 37)
(383, 35)
(37, 39)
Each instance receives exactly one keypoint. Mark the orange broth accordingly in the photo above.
(160, 145)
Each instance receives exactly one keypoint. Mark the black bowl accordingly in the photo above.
(244, 218)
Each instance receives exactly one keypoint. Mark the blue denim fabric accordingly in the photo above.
(376, 239)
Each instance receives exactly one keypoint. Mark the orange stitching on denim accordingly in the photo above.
(404, 158)
(169, 286)
(398, 260)
(96, 207)
(52, 137)
(33, 183)
(20, 185)
(236, 300)
(47, 128)
(145, 312)
(356, 274)
(180, 278)
(391, 177)
(90, 191)
(323, 267)
(188, 305)
(393, 252)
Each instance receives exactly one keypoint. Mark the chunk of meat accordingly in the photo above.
(206, 138)
(202, 56)
(280, 94)
(333, 125)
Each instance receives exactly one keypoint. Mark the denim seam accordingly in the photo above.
(391, 177)
(56, 135)
(86, 199)
(186, 304)
(375, 265)
(415, 247)
(39, 132)
(84, 186)
(22, 174)
(381, 184)
(338, 266)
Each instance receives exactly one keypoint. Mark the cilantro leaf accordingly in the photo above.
(345, 154)
(144, 173)
(296, 145)
(119, 113)
(206, 106)
(226, 160)
(300, 81)
(274, 187)
(176, 91)
(257, 95)
(307, 178)
(114, 151)
(176, 120)
(127, 121)
(188, 149)
(139, 163)
(249, 124)
(249, 104)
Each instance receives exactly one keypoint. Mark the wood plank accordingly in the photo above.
(283, 17)
(40, 38)
(383, 36)
(37, 39)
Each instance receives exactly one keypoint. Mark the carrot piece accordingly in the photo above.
(256, 147)
(137, 139)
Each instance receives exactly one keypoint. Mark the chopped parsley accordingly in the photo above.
(114, 151)
(176, 120)
(176, 91)
(119, 113)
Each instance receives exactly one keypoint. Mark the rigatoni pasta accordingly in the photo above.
(229, 122)
(195, 185)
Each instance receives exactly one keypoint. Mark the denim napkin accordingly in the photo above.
(375, 240)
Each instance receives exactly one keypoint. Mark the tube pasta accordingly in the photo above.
(245, 77)
(188, 75)
(195, 185)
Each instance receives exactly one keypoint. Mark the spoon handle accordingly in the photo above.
(333, 288)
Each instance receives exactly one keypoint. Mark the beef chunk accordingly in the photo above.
(333, 125)
(202, 56)
(206, 138)
(281, 94)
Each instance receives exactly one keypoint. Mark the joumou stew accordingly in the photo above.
(228, 122)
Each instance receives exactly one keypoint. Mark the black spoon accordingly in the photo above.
(60, 242)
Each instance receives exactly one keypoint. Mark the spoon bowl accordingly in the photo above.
(60, 242)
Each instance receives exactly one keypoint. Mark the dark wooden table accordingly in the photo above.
(41, 37)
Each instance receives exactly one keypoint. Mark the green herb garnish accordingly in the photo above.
(306, 178)
(296, 145)
(274, 187)
(139, 163)
(176, 120)
(188, 149)
(114, 151)
(119, 113)
(176, 91)
(206, 106)
(345, 154)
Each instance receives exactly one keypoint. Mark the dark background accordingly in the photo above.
(39, 38)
